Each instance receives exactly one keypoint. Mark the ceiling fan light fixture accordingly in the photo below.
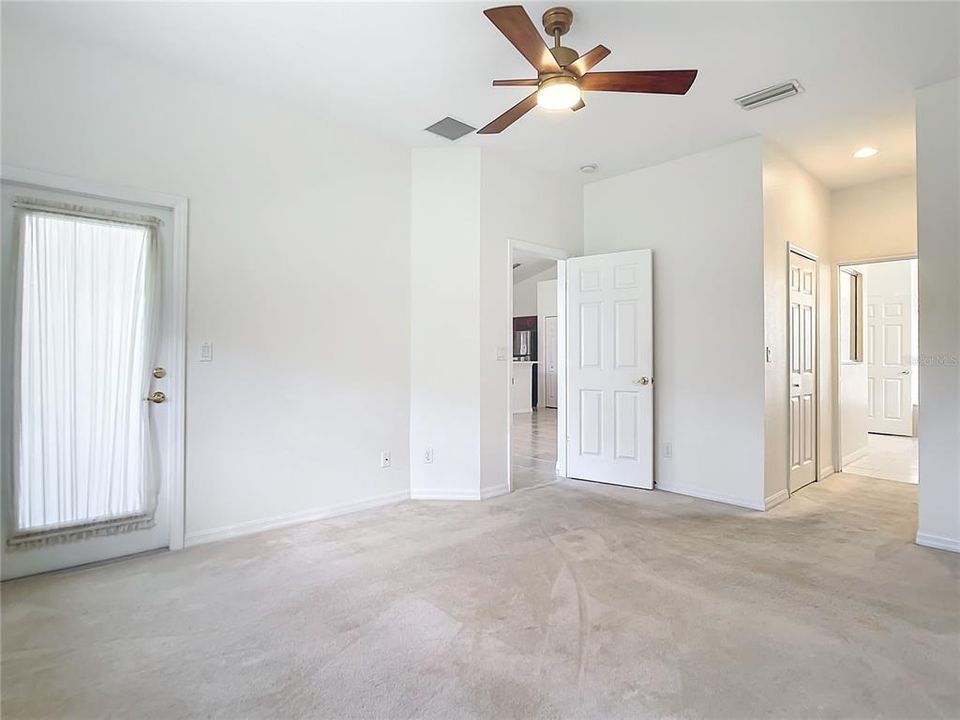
(560, 92)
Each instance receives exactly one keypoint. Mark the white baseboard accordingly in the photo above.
(715, 497)
(495, 491)
(776, 499)
(445, 494)
(853, 457)
(826, 472)
(938, 542)
(255, 526)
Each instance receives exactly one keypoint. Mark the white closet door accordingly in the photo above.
(610, 368)
(803, 371)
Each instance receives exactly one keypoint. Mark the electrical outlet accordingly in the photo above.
(501, 352)
(428, 455)
(385, 459)
(668, 450)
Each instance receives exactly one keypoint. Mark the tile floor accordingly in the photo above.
(888, 457)
(534, 448)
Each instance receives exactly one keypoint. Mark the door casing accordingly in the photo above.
(835, 408)
(560, 257)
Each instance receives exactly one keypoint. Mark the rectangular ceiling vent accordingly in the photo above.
(770, 95)
(450, 129)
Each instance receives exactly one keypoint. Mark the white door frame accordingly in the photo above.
(560, 256)
(835, 405)
(175, 382)
(791, 248)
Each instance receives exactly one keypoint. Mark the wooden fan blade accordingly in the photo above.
(518, 28)
(585, 62)
(667, 82)
(518, 83)
(579, 106)
(510, 116)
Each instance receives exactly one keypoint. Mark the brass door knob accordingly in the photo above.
(643, 380)
(156, 397)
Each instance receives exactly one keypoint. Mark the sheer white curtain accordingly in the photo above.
(86, 461)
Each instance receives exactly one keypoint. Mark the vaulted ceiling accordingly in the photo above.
(395, 68)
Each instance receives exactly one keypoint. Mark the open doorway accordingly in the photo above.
(535, 386)
(878, 313)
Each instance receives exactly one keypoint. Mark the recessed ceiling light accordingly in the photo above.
(865, 152)
(589, 168)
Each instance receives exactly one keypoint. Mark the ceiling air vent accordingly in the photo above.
(450, 129)
(770, 95)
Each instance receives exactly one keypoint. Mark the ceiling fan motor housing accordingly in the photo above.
(557, 20)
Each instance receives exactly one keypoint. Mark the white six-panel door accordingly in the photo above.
(803, 371)
(887, 345)
(610, 368)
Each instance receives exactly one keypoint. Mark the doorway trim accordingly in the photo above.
(835, 405)
(803, 252)
(176, 379)
(560, 256)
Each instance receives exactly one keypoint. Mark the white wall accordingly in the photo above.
(512, 208)
(298, 270)
(467, 206)
(445, 342)
(525, 292)
(874, 221)
(796, 211)
(703, 217)
(938, 191)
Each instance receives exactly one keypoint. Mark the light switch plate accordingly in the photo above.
(206, 351)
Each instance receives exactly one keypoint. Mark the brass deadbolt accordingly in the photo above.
(159, 372)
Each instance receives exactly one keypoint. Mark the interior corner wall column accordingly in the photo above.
(467, 205)
(938, 242)
(445, 327)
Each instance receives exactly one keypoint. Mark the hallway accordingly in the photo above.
(888, 457)
(534, 448)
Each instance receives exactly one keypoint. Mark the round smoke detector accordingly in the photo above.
(589, 168)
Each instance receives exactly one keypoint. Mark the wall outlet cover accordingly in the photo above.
(428, 455)
(385, 459)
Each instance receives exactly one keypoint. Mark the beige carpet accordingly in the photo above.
(572, 600)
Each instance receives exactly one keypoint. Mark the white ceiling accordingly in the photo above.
(395, 68)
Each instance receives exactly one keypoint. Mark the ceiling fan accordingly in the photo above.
(562, 74)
